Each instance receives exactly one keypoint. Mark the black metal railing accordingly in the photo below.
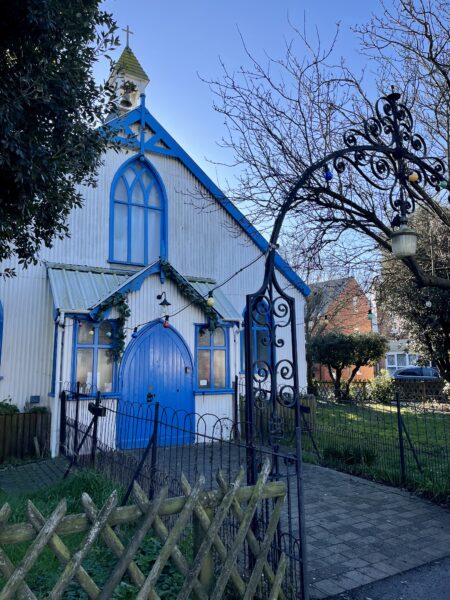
(154, 445)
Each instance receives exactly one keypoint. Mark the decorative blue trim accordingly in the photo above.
(173, 149)
(145, 205)
(95, 346)
(133, 284)
(211, 390)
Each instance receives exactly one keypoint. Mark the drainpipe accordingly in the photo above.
(56, 405)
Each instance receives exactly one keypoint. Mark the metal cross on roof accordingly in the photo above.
(128, 31)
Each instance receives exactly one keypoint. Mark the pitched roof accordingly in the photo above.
(328, 290)
(128, 64)
(76, 289)
(161, 142)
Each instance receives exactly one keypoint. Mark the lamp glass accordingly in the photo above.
(404, 242)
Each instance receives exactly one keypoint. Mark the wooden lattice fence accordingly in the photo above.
(213, 570)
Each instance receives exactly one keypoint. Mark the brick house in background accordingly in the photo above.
(339, 305)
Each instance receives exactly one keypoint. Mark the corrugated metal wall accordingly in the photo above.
(203, 241)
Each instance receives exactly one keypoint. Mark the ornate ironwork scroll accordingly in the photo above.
(271, 364)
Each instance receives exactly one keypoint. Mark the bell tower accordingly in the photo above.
(128, 78)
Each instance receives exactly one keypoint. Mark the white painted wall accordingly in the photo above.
(203, 241)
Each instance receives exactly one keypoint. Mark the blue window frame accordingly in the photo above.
(138, 220)
(1, 330)
(93, 365)
(212, 364)
(260, 339)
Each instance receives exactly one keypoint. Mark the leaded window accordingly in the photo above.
(212, 358)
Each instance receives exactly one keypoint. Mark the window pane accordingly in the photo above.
(121, 192)
(262, 345)
(391, 359)
(401, 360)
(219, 337)
(412, 359)
(105, 333)
(104, 371)
(85, 333)
(391, 371)
(120, 231)
(154, 199)
(154, 235)
(138, 193)
(137, 234)
(84, 367)
(130, 175)
(204, 337)
(219, 368)
(146, 180)
(204, 369)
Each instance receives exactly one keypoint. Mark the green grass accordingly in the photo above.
(100, 561)
(364, 440)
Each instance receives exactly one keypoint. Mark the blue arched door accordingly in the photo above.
(156, 367)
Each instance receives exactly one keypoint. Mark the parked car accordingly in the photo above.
(423, 373)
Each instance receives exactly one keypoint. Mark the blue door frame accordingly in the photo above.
(156, 367)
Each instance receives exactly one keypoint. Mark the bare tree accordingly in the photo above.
(288, 114)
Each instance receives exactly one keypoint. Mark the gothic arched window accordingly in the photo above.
(138, 215)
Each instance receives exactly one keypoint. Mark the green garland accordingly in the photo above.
(191, 294)
(120, 303)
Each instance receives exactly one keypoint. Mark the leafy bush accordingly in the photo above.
(382, 388)
(42, 410)
(7, 408)
(349, 455)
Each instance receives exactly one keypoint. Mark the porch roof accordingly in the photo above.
(221, 303)
(77, 288)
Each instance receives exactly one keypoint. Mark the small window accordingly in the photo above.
(212, 358)
(260, 336)
(94, 365)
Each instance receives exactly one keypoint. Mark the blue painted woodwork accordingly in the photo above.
(137, 189)
(211, 348)
(1, 330)
(80, 321)
(142, 115)
(158, 362)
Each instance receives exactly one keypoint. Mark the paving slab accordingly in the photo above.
(31, 477)
(360, 532)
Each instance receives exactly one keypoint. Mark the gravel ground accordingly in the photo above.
(428, 582)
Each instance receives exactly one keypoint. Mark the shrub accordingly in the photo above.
(7, 408)
(42, 410)
(382, 388)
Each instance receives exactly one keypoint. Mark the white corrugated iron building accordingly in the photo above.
(139, 234)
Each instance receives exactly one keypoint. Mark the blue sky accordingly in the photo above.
(177, 40)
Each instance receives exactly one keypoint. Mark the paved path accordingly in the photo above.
(28, 478)
(428, 582)
(360, 532)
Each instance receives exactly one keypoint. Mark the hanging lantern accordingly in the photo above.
(404, 242)
(210, 300)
